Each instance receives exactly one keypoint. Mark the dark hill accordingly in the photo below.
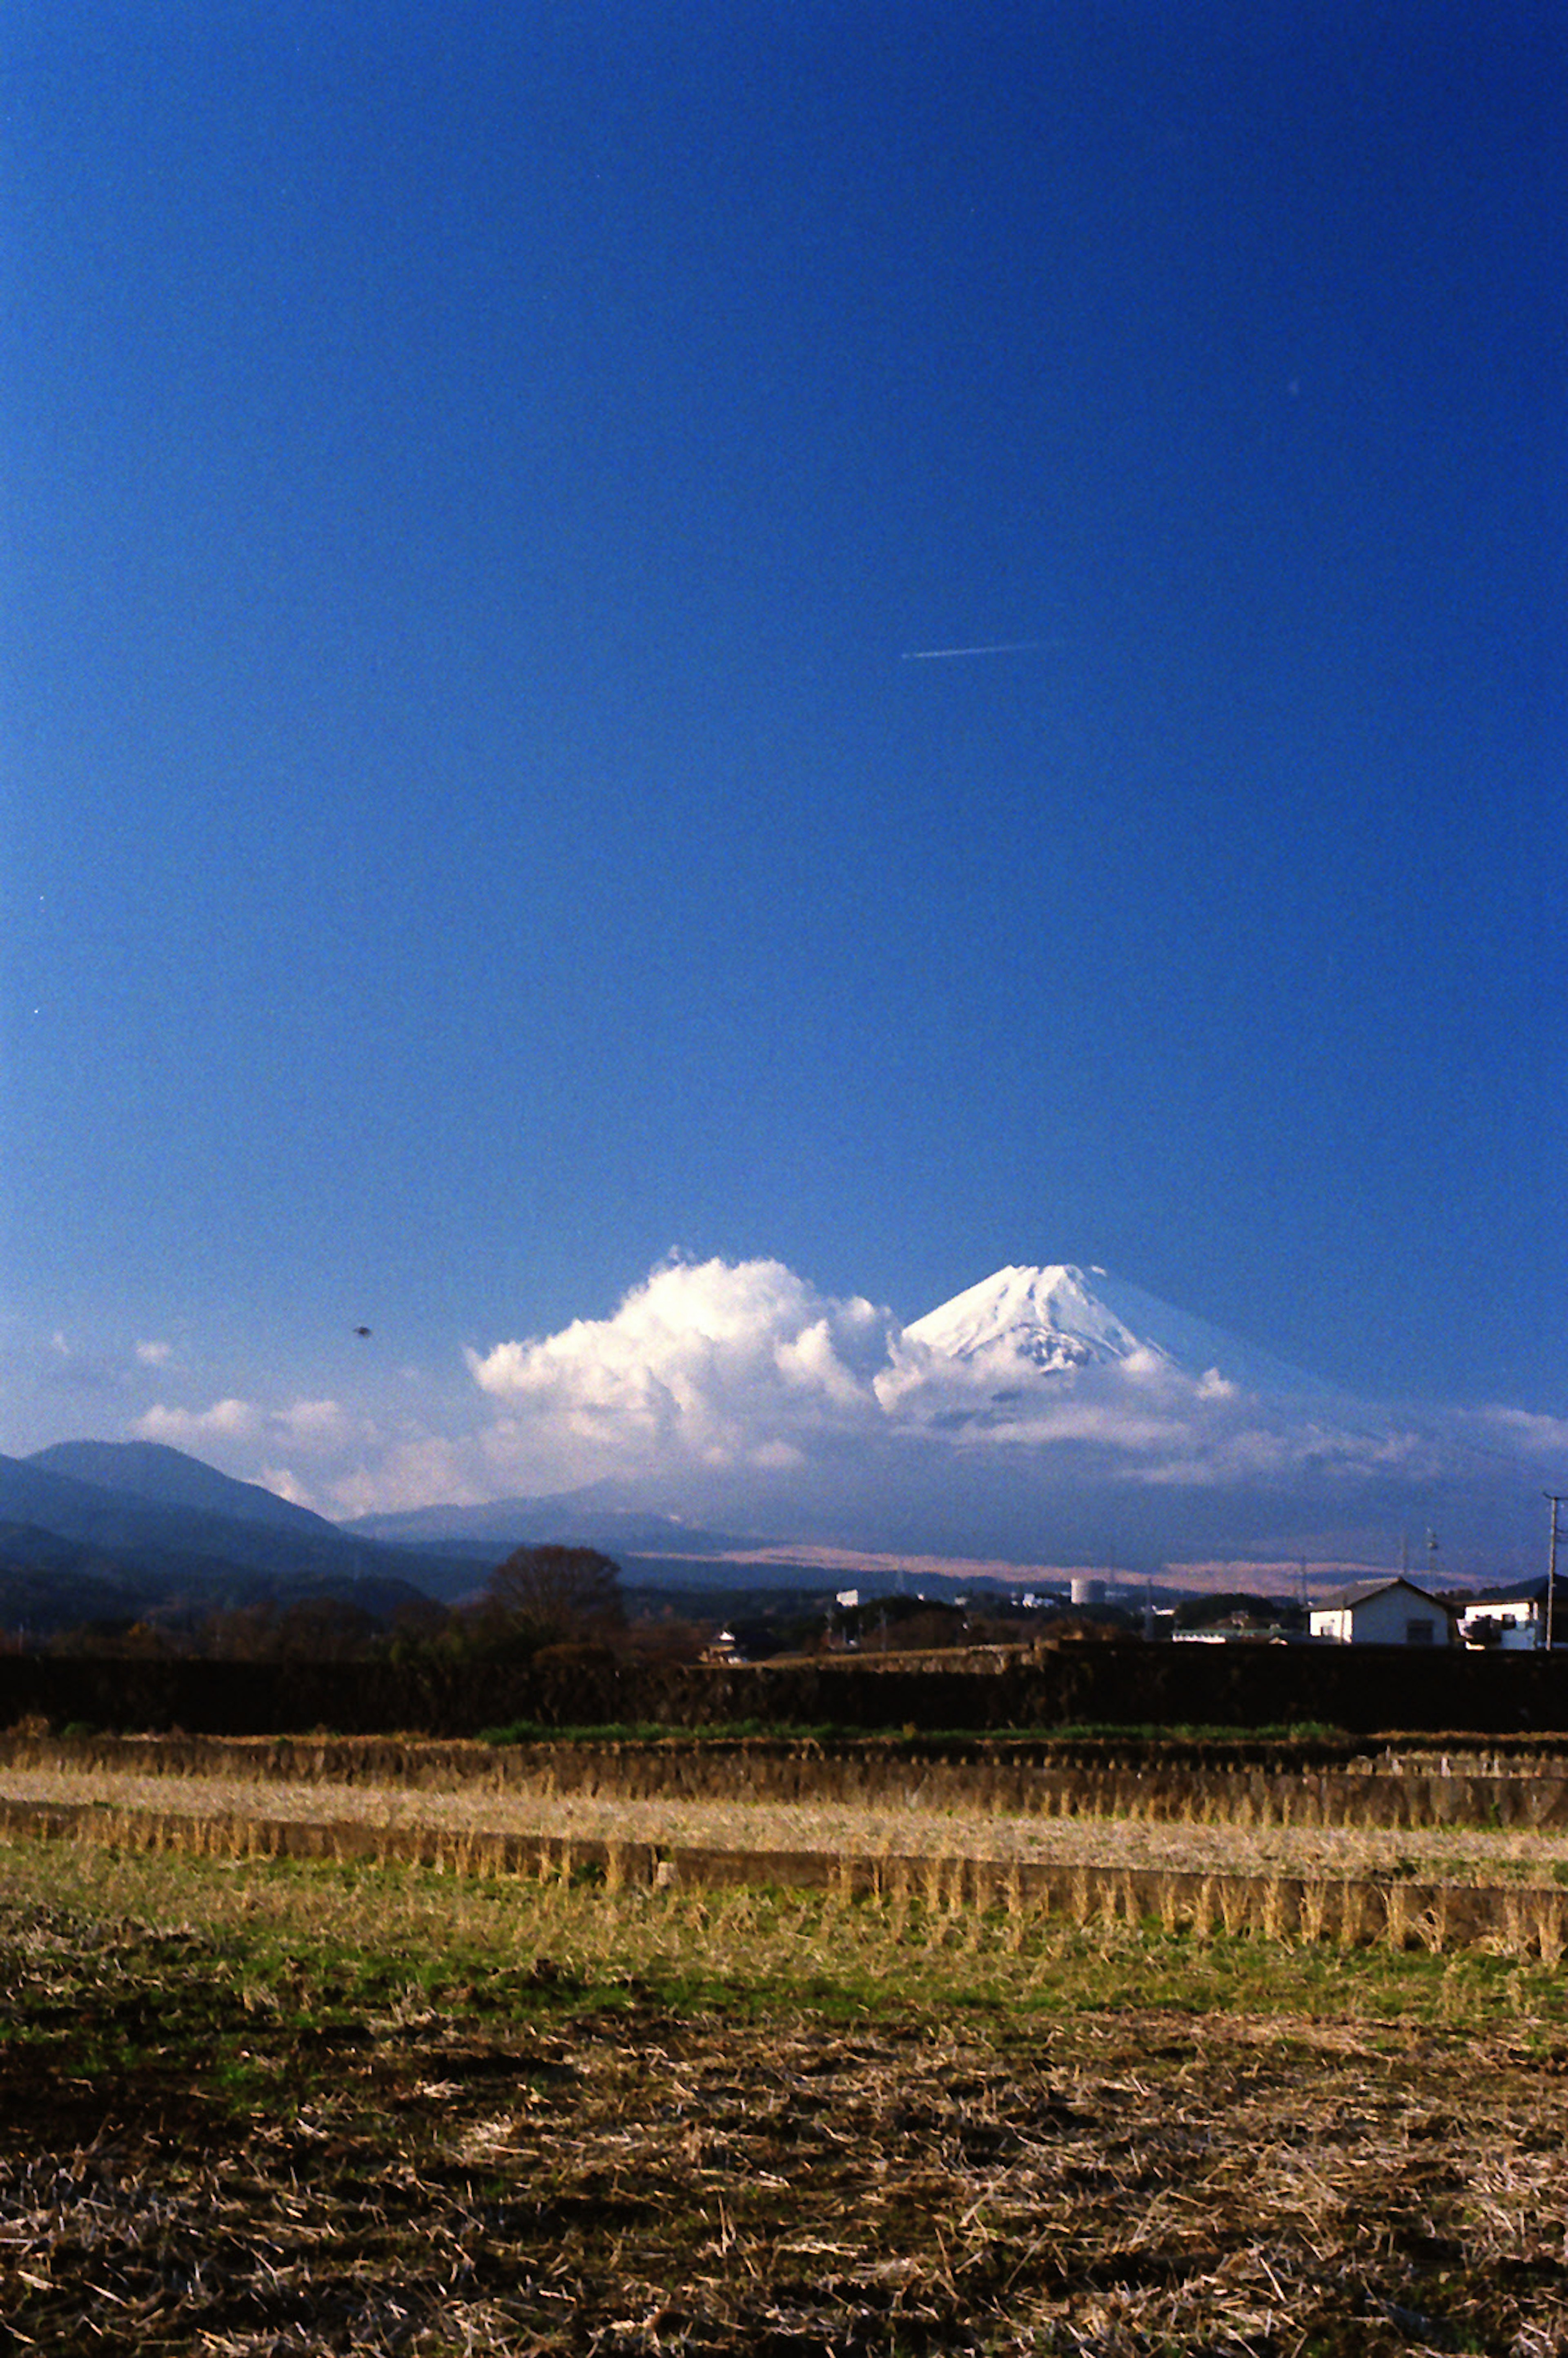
(194, 1544)
(168, 1478)
(49, 1584)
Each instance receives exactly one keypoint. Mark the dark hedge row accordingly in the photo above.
(1363, 1689)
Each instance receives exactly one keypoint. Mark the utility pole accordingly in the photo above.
(1551, 1573)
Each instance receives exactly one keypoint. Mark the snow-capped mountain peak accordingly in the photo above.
(1061, 1317)
(1048, 1315)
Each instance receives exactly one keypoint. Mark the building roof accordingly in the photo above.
(1344, 1600)
(1521, 1592)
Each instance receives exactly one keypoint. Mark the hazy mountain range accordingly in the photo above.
(114, 1531)
(94, 1529)
(1047, 1416)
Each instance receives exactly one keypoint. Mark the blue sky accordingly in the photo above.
(471, 826)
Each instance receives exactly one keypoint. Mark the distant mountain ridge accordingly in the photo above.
(48, 1582)
(100, 1528)
(168, 1478)
(174, 1524)
(588, 1517)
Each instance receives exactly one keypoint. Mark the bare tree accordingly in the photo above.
(558, 1596)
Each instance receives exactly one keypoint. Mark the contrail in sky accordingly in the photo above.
(945, 655)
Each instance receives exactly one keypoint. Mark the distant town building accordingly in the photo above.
(1514, 1621)
(1235, 1629)
(1384, 1613)
(1087, 1590)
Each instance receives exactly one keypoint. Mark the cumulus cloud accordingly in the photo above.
(728, 1368)
(284, 1483)
(322, 1423)
(993, 1399)
(712, 1362)
(186, 1428)
(61, 1361)
(317, 1428)
(426, 1469)
(1139, 1415)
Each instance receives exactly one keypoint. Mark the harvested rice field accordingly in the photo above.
(1491, 1856)
(257, 2107)
(252, 2106)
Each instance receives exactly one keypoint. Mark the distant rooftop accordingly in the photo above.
(1343, 1600)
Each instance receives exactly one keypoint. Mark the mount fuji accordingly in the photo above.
(1074, 1411)
(1061, 1318)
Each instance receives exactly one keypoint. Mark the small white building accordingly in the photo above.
(1384, 1613)
(1515, 1622)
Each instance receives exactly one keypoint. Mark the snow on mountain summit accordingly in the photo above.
(1048, 1315)
(1062, 1317)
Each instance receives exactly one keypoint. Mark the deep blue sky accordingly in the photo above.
(476, 476)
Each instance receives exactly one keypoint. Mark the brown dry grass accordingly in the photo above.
(1431, 1855)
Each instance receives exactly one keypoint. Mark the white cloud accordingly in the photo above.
(185, 1428)
(714, 1363)
(721, 1369)
(425, 1470)
(1545, 1436)
(1140, 1409)
(59, 1362)
(284, 1484)
(322, 1423)
(322, 1428)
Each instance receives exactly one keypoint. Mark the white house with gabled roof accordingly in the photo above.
(1384, 1613)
